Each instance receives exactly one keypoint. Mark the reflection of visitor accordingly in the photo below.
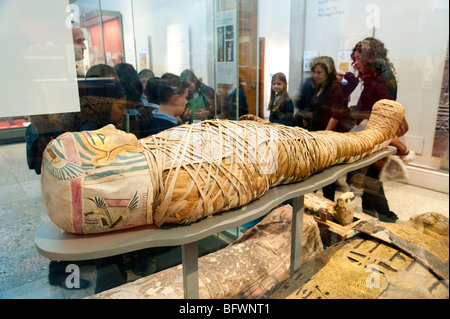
(377, 74)
(117, 58)
(198, 89)
(79, 48)
(144, 76)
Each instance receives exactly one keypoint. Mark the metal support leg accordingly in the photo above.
(297, 233)
(189, 255)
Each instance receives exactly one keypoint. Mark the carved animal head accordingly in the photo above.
(345, 208)
(346, 202)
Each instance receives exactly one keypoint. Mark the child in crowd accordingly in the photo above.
(280, 105)
(172, 93)
(206, 94)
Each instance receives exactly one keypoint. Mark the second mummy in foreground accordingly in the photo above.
(104, 180)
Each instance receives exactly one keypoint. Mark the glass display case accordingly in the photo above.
(228, 51)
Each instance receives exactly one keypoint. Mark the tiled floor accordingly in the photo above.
(23, 272)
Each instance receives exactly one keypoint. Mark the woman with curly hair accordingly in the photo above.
(371, 50)
(376, 73)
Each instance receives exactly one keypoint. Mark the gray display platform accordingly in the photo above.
(56, 244)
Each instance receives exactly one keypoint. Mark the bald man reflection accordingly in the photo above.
(78, 43)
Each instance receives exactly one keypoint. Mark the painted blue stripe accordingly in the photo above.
(81, 143)
(131, 162)
(115, 171)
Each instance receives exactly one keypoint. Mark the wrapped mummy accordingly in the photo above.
(105, 180)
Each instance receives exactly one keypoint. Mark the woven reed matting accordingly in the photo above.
(431, 248)
(402, 263)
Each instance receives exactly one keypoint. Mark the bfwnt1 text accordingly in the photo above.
(246, 308)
